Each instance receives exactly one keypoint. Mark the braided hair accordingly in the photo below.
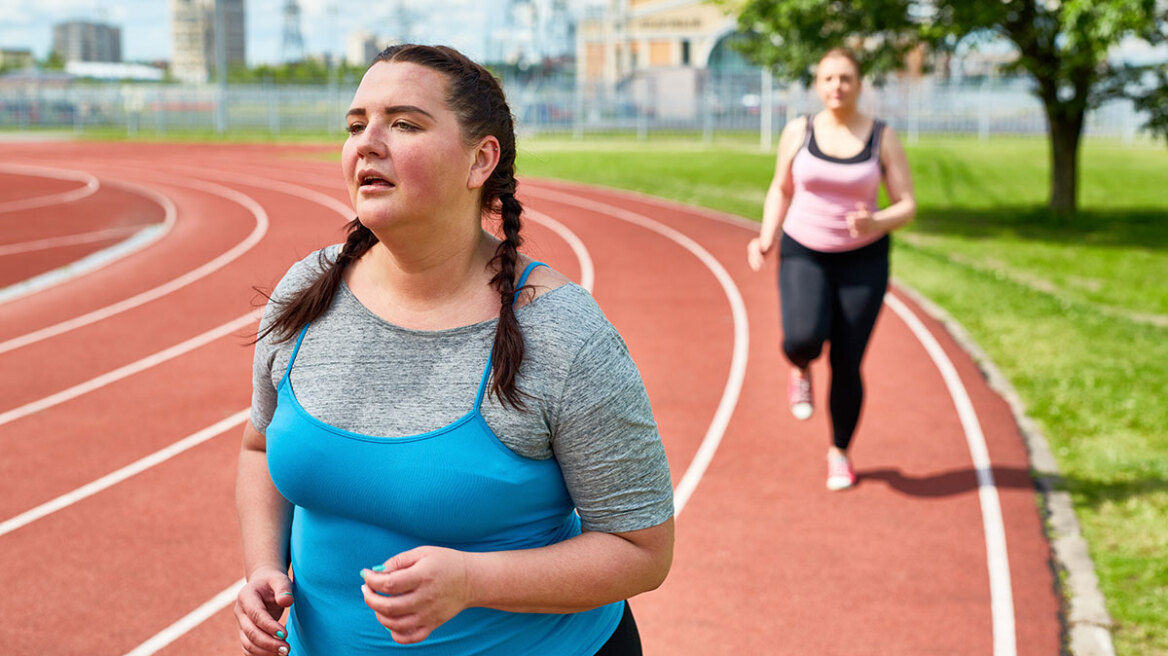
(476, 98)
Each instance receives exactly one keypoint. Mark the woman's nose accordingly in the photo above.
(370, 143)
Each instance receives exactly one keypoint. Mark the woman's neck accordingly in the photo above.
(432, 281)
(842, 117)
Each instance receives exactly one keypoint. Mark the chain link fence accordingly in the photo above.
(687, 103)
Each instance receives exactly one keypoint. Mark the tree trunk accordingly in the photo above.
(1066, 128)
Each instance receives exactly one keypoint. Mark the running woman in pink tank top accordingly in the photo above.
(833, 254)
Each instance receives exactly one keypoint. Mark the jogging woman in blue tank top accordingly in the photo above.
(450, 450)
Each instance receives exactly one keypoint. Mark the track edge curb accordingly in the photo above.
(1087, 630)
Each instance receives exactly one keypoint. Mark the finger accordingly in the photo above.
(257, 642)
(255, 622)
(395, 582)
(410, 636)
(388, 607)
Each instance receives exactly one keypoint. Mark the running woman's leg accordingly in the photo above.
(805, 302)
(859, 281)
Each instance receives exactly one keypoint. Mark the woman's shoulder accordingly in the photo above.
(303, 272)
(560, 311)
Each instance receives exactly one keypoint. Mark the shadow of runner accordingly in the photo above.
(947, 483)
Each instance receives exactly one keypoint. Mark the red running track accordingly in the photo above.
(121, 393)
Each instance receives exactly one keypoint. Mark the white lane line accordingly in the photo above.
(344, 209)
(257, 233)
(130, 369)
(92, 184)
(104, 257)
(67, 240)
(113, 478)
(587, 270)
(717, 429)
(998, 563)
(588, 279)
(190, 621)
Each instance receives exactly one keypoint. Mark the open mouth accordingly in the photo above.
(375, 182)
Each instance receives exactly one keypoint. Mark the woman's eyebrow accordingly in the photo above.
(392, 109)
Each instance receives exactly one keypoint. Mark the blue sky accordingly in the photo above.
(146, 24)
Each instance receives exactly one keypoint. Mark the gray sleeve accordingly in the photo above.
(263, 383)
(606, 440)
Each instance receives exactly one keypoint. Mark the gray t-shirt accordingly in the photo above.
(586, 403)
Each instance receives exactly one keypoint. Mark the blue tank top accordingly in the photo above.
(359, 500)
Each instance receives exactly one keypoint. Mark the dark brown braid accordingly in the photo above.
(476, 98)
(311, 302)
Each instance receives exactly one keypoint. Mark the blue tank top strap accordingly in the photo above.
(487, 370)
(523, 278)
(295, 350)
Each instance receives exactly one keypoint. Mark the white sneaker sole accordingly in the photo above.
(802, 411)
(837, 484)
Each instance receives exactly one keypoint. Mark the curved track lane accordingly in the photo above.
(122, 492)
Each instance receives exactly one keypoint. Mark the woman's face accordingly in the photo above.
(405, 158)
(838, 83)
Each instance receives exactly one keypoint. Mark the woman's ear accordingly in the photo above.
(486, 158)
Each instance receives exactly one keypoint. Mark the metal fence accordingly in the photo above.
(684, 102)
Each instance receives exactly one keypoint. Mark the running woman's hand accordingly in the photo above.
(258, 608)
(417, 591)
(756, 254)
(860, 221)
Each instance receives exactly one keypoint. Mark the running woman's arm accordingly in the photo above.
(422, 588)
(778, 198)
(898, 184)
(265, 519)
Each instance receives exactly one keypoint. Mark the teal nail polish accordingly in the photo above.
(378, 568)
(280, 634)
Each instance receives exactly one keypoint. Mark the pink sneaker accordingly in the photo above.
(799, 393)
(840, 474)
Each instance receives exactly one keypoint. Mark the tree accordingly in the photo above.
(1063, 45)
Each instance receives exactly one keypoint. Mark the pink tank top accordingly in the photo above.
(827, 188)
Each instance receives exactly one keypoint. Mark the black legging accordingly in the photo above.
(626, 640)
(833, 297)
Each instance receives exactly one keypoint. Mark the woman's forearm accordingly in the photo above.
(584, 572)
(897, 215)
(774, 210)
(265, 517)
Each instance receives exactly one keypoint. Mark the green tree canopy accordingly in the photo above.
(1064, 45)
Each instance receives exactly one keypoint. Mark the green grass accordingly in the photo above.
(1072, 310)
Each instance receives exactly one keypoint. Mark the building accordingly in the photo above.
(15, 58)
(193, 29)
(660, 50)
(361, 47)
(83, 41)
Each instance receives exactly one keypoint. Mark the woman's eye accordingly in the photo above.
(402, 125)
(355, 128)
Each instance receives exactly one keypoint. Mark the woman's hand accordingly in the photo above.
(259, 605)
(756, 254)
(860, 221)
(417, 591)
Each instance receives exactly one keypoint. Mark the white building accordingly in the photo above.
(193, 29)
(84, 41)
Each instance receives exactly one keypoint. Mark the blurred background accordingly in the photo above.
(572, 68)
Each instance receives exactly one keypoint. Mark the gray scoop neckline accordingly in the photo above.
(443, 332)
